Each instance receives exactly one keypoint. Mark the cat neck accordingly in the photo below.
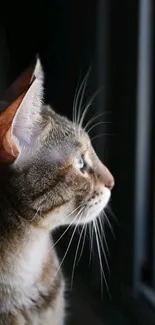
(28, 269)
(23, 256)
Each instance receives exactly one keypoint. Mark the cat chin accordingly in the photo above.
(95, 206)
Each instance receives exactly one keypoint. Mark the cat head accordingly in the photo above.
(54, 175)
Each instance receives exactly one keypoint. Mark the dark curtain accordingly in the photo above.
(71, 36)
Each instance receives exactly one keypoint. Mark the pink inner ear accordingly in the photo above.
(9, 145)
(8, 149)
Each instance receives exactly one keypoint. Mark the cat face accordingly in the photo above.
(56, 176)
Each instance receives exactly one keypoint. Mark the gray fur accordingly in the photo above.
(41, 190)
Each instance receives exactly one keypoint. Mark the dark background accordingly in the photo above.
(71, 36)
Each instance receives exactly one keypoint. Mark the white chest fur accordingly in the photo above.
(27, 262)
(22, 280)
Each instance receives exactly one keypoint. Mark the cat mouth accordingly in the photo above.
(83, 214)
(96, 205)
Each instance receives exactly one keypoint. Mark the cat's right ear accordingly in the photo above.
(19, 136)
(20, 122)
(8, 148)
(38, 71)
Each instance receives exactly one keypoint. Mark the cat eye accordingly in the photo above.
(80, 163)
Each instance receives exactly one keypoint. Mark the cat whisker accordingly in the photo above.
(76, 253)
(79, 206)
(83, 93)
(103, 234)
(100, 261)
(109, 224)
(94, 117)
(101, 245)
(67, 247)
(85, 111)
(98, 123)
(102, 275)
(84, 227)
(84, 238)
(69, 226)
(74, 103)
(80, 92)
(89, 103)
(101, 135)
(112, 214)
(35, 215)
(27, 220)
(91, 237)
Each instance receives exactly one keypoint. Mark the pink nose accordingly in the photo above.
(110, 182)
(104, 175)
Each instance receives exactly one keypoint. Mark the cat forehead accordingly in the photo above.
(64, 130)
(63, 143)
(67, 141)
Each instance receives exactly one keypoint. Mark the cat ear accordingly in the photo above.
(38, 71)
(19, 140)
(8, 149)
(26, 121)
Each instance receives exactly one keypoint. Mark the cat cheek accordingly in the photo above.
(69, 183)
(72, 181)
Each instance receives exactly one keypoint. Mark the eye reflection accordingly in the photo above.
(79, 162)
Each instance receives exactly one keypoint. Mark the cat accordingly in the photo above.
(50, 176)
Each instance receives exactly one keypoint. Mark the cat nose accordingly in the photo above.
(104, 175)
(109, 181)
